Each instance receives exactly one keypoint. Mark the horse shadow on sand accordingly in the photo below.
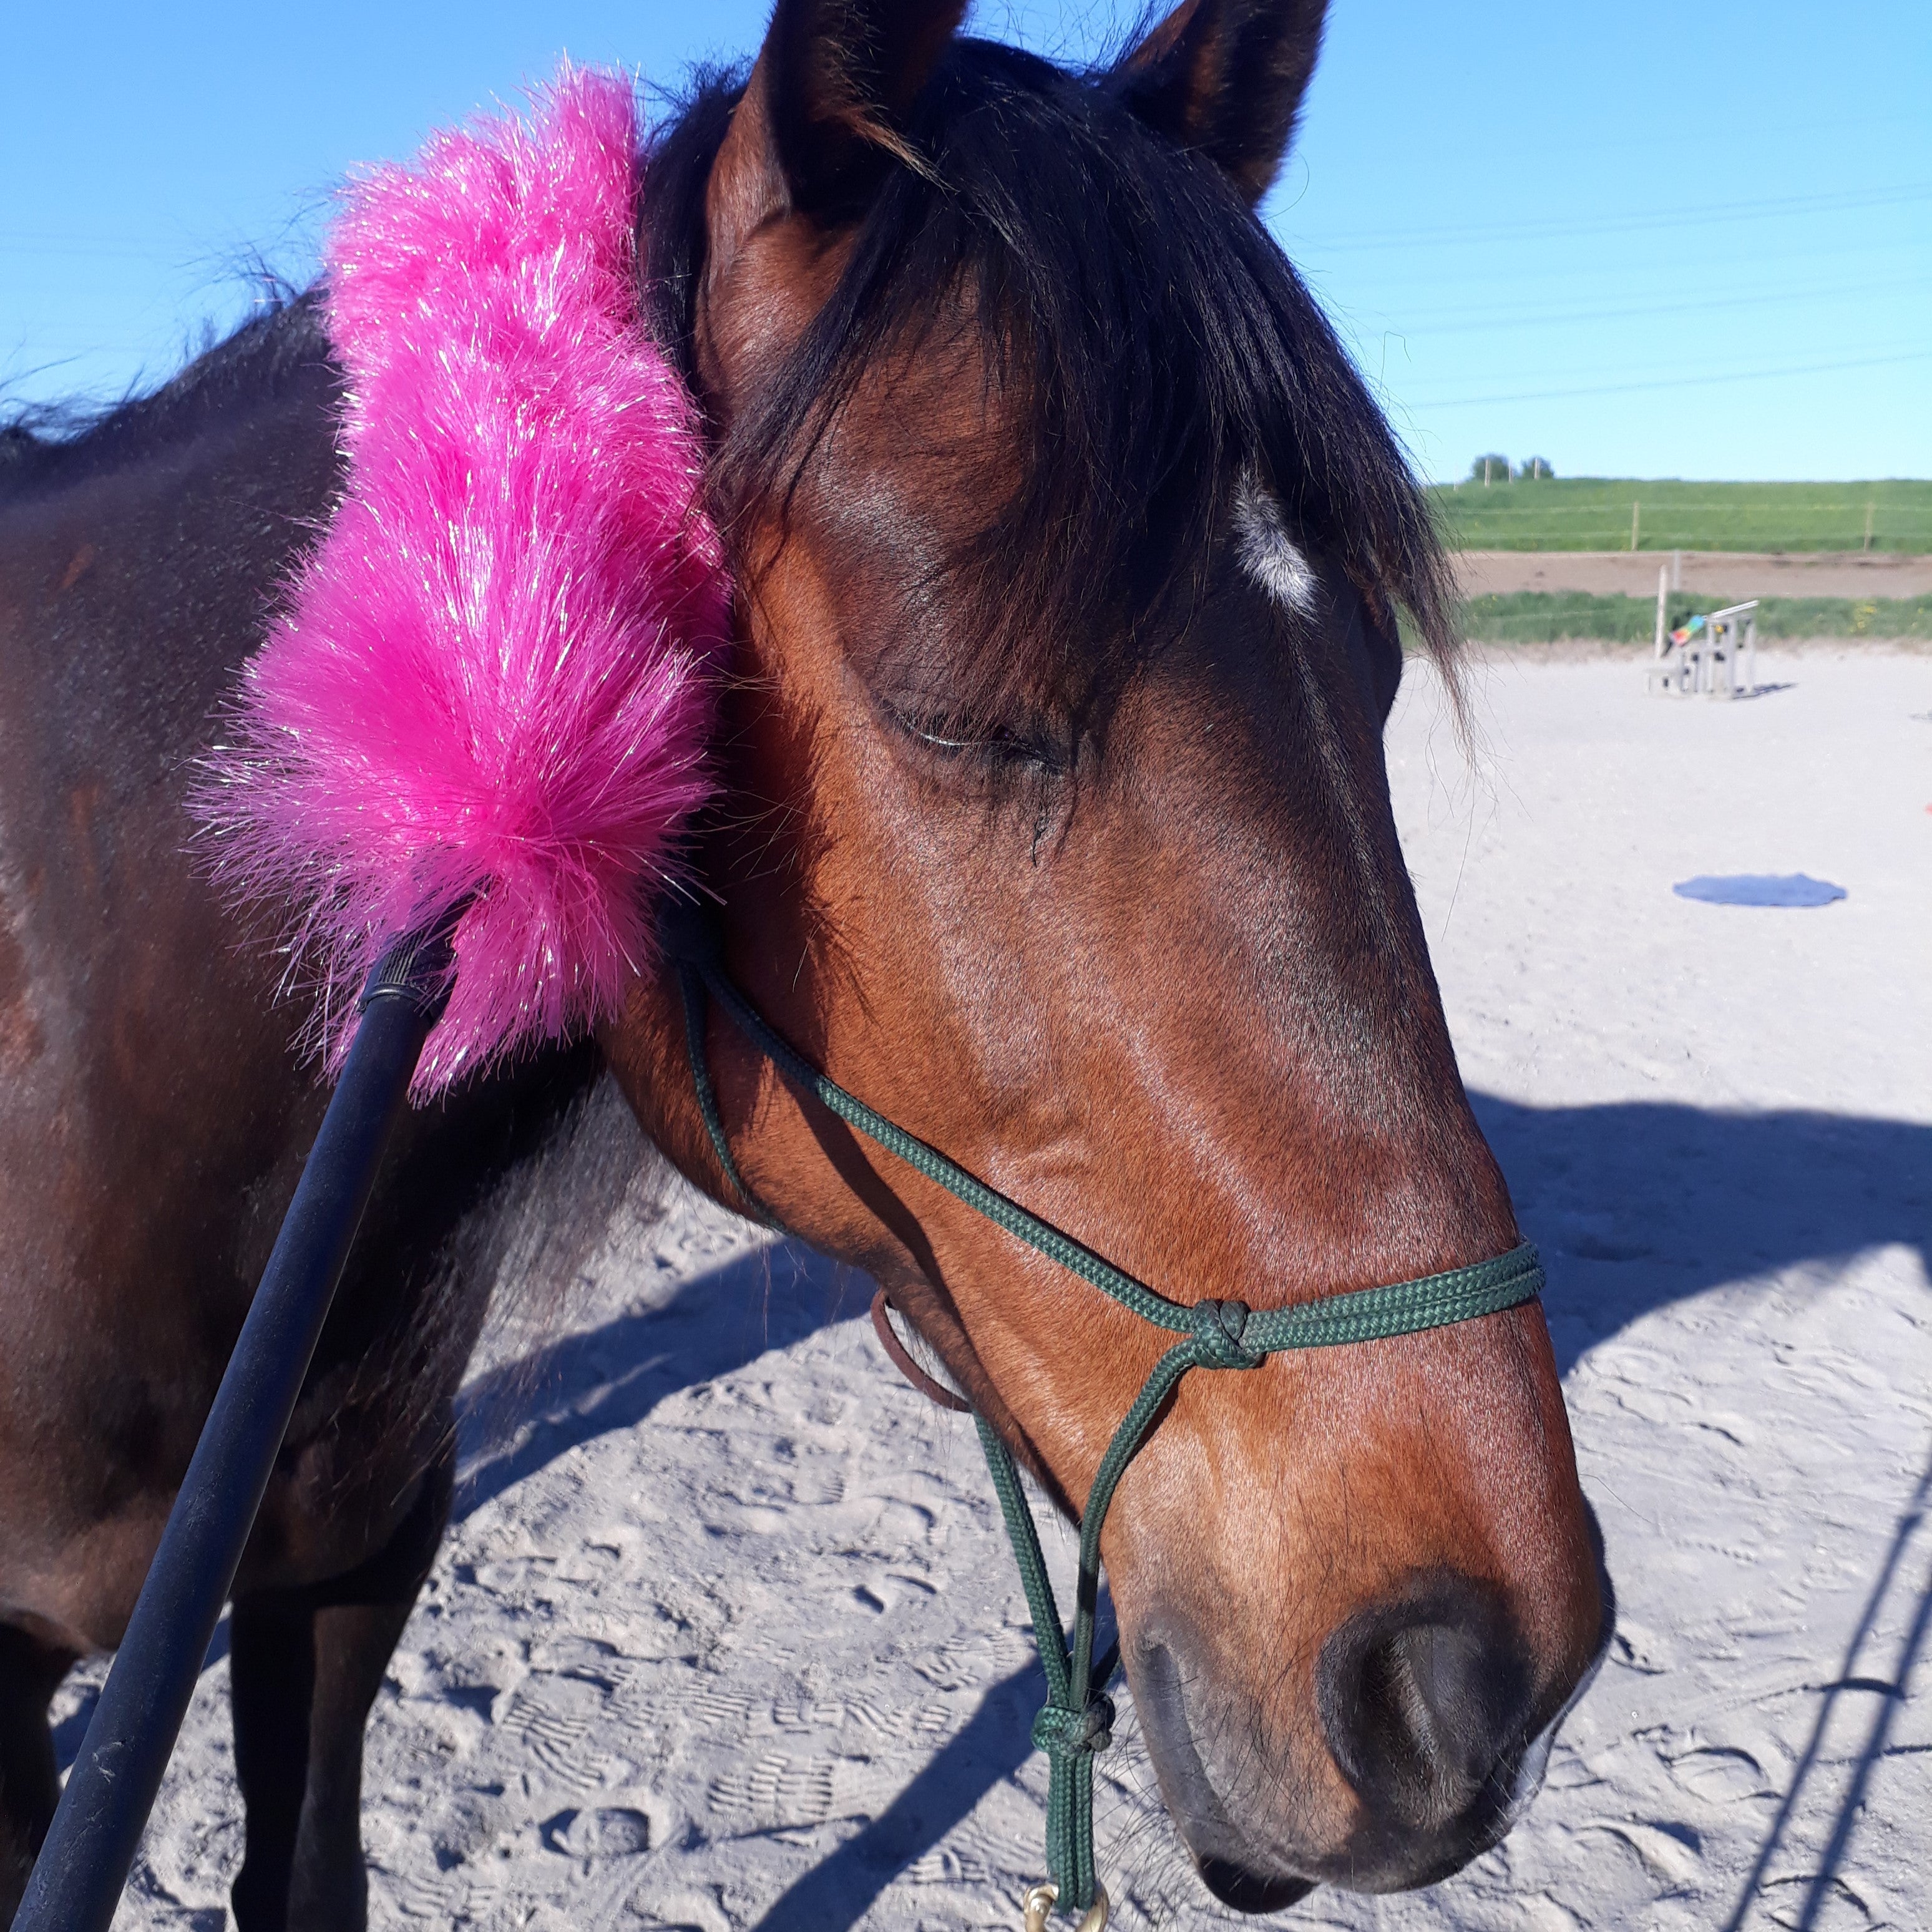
(514, 1419)
(1636, 1204)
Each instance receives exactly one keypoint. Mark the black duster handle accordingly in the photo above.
(77, 1881)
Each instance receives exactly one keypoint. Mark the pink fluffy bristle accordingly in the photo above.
(494, 678)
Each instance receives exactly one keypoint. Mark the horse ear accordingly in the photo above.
(1226, 77)
(823, 115)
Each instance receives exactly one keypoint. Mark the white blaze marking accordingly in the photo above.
(1268, 554)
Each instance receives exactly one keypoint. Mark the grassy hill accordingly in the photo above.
(1593, 513)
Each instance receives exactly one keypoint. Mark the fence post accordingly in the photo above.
(1634, 509)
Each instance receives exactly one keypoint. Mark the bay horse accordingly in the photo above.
(1067, 549)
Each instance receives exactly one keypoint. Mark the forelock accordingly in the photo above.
(1164, 371)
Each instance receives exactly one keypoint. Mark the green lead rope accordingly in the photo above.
(1078, 1719)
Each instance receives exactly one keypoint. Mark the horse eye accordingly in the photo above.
(951, 735)
(943, 734)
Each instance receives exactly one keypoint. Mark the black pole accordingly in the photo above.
(77, 1880)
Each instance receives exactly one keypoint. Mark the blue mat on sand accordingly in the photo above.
(1754, 889)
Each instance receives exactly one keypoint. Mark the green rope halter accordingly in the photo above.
(1078, 1719)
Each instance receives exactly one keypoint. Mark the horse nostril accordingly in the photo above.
(1423, 1699)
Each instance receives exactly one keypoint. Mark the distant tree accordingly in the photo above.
(1536, 470)
(1489, 470)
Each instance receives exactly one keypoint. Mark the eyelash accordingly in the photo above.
(1000, 748)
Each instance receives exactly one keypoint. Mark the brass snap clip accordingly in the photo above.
(1039, 1903)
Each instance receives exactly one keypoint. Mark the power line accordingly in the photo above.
(1723, 364)
(55, 242)
(1469, 321)
(1588, 279)
(1785, 206)
(1669, 382)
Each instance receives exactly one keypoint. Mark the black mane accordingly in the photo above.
(43, 448)
(1164, 343)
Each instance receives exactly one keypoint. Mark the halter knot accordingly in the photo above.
(1072, 1734)
(1218, 1328)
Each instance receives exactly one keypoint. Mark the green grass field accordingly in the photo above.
(1544, 616)
(1593, 513)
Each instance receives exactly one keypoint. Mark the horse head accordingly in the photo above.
(1054, 822)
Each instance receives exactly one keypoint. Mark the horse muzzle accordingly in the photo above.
(1427, 1705)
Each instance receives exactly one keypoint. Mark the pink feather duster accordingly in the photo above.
(493, 679)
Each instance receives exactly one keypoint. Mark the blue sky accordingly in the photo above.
(1659, 239)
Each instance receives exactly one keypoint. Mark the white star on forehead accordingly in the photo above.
(1268, 554)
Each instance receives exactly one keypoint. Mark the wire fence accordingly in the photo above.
(1536, 516)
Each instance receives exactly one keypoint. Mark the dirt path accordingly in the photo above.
(1489, 573)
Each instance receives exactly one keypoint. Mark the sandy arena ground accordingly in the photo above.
(1487, 573)
(726, 1636)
